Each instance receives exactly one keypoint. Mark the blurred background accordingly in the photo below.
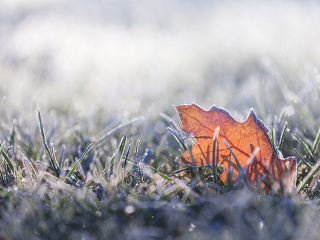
(140, 58)
(91, 66)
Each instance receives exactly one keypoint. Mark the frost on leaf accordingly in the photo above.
(243, 139)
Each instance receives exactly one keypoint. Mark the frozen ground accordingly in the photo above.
(92, 65)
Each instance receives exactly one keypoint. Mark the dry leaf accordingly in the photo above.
(245, 139)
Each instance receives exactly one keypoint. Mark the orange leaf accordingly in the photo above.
(244, 139)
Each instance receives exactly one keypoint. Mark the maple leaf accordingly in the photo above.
(249, 142)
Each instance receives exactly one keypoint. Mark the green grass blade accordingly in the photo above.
(7, 175)
(41, 126)
(120, 152)
(54, 165)
(303, 144)
(308, 177)
(179, 140)
(282, 135)
(79, 161)
(110, 165)
(122, 145)
(43, 136)
(316, 142)
(156, 171)
(137, 159)
(116, 157)
(126, 158)
(302, 159)
(10, 164)
(2, 178)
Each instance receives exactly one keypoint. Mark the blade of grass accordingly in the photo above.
(303, 144)
(29, 169)
(179, 140)
(125, 162)
(263, 180)
(120, 152)
(282, 116)
(7, 175)
(2, 178)
(242, 171)
(41, 126)
(126, 158)
(215, 154)
(178, 171)
(316, 142)
(273, 140)
(49, 154)
(10, 164)
(302, 159)
(79, 161)
(116, 157)
(156, 171)
(308, 177)
(122, 145)
(8, 149)
(282, 135)
(111, 132)
(172, 123)
(233, 154)
(54, 156)
(193, 168)
(237, 162)
(137, 158)
(98, 165)
(6, 158)
(230, 174)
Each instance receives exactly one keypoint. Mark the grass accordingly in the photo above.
(67, 184)
(89, 138)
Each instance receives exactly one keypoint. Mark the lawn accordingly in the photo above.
(90, 139)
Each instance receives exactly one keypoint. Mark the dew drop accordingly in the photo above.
(129, 209)
(260, 224)
(191, 227)
(98, 213)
